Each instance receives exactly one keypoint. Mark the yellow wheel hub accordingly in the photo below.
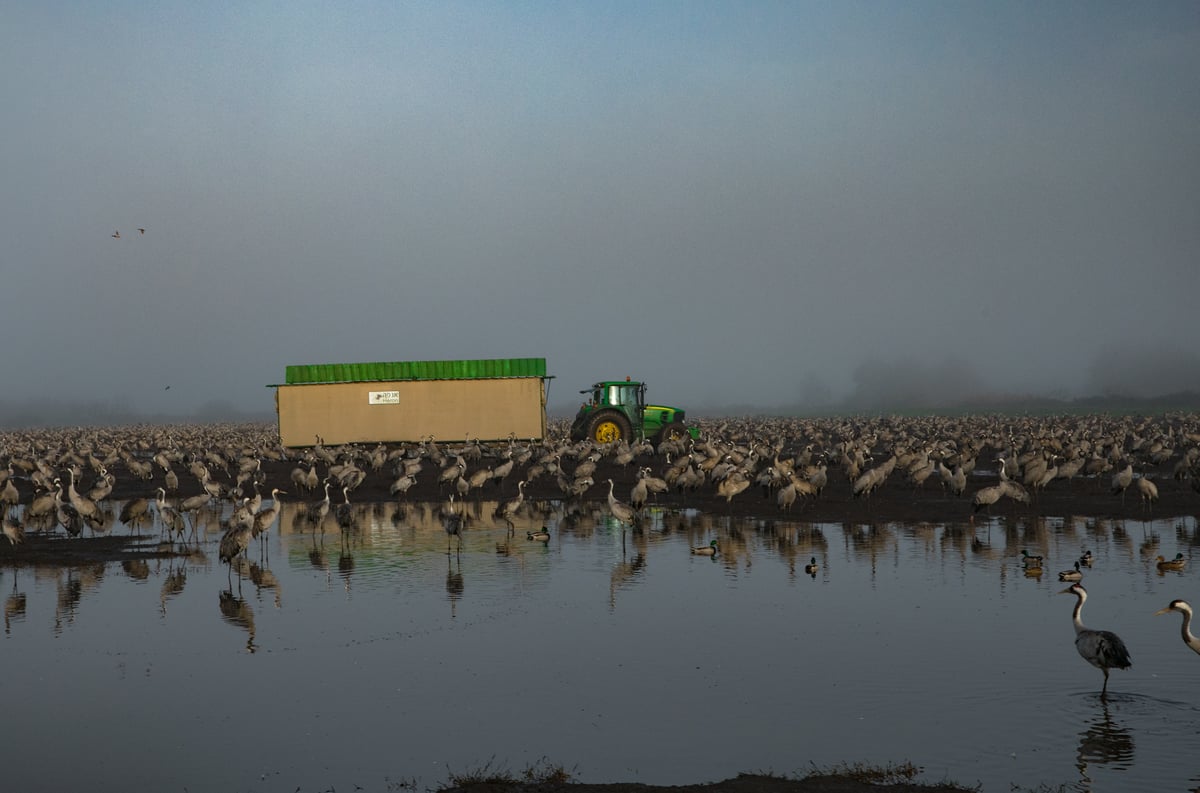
(607, 432)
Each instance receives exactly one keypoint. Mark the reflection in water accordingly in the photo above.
(14, 606)
(316, 554)
(237, 612)
(137, 569)
(71, 591)
(345, 565)
(263, 578)
(624, 574)
(173, 584)
(454, 582)
(1104, 743)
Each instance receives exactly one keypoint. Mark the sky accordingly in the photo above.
(750, 203)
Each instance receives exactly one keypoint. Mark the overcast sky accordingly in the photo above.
(737, 202)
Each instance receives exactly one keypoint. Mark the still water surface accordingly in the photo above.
(374, 658)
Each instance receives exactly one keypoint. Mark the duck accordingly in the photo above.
(706, 550)
(1029, 559)
(1178, 563)
(812, 567)
(541, 536)
(1071, 575)
(1086, 559)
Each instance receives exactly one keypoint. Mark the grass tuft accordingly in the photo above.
(541, 772)
(889, 774)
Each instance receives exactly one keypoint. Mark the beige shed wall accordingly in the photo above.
(446, 409)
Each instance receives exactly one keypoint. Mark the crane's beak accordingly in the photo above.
(1067, 591)
(1162, 611)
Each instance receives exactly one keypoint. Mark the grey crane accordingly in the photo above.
(68, 516)
(168, 516)
(319, 509)
(234, 543)
(1148, 492)
(265, 518)
(452, 523)
(638, 494)
(620, 510)
(509, 508)
(344, 514)
(1102, 649)
(1186, 610)
(402, 484)
(1122, 480)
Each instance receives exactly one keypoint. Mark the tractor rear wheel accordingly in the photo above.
(609, 426)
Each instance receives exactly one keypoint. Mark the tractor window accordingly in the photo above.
(623, 394)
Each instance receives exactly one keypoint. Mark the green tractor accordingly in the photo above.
(617, 410)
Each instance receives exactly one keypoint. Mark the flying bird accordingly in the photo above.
(141, 231)
(116, 235)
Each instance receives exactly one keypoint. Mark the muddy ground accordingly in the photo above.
(744, 783)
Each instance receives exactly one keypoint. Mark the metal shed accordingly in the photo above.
(488, 399)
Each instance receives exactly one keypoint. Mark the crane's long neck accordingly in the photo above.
(1186, 630)
(1076, 618)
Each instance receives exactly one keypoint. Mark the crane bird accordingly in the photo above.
(452, 522)
(344, 514)
(319, 509)
(172, 522)
(265, 518)
(509, 508)
(1122, 480)
(1148, 492)
(1183, 608)
(234, 543)
(1102, 649)
(619, 509)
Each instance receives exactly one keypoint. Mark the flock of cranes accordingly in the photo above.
(772, 466)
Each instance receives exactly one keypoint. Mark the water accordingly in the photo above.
(374, 658)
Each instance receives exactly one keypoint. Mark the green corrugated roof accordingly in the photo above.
(416, 370)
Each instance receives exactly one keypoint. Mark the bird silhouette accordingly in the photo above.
(116, 235)
(141, 231)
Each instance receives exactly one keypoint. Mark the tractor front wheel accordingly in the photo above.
(672, 432)
(609, 426)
